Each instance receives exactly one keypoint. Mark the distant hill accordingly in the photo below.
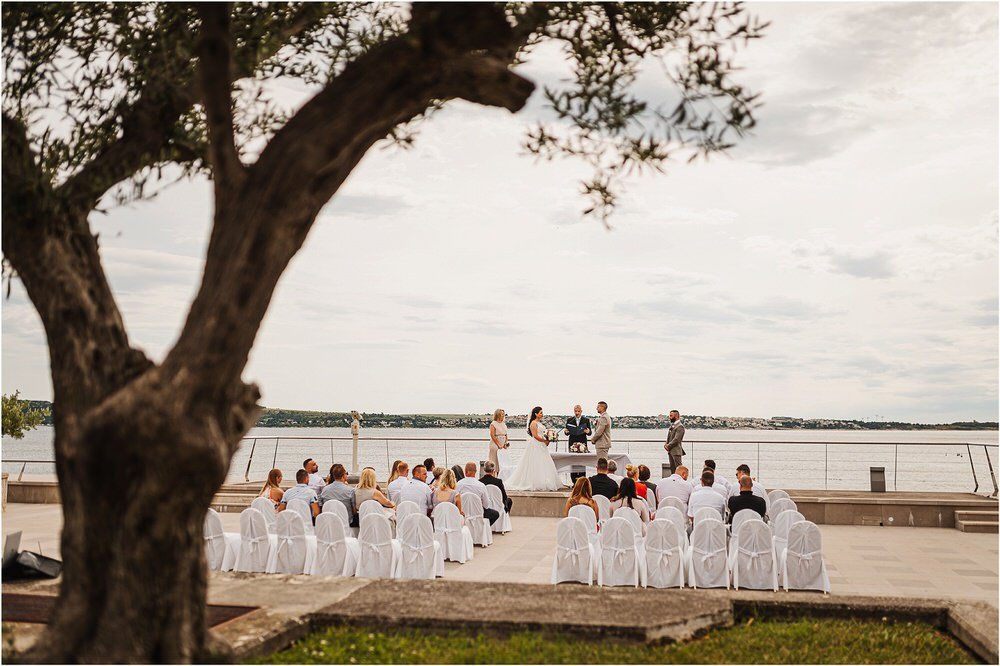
(297, 418)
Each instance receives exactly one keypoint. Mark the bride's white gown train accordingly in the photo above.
(536, 471)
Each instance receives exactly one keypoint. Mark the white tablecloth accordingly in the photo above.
(579, 462)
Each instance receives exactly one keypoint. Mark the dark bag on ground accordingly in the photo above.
(30, 565)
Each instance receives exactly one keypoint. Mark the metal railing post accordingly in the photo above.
(23, 465)
(974, 478)
(826, 465)
(986, 450)
(387, 460)
(895, 467)
(274, 460)
(446, 453)
(246, 474)
(758, 461)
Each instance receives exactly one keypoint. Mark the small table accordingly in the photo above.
(585, 462)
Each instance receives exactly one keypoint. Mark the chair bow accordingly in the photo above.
(574, 551)
(414, 551)
(706, 555)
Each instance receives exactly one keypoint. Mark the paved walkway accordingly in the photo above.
(878, 561)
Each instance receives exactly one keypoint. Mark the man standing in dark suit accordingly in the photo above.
(746, 499)
(489, 470)
(601, 483)
(577, 427)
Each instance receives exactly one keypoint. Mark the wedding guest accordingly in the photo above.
(315, 479)
(429, 466)
(302, 491)
(581, 494)
(490, 478)
(368, 489)
(706, 495)
(601, 483)
(393, 473)
(470, 484)
(675, 485)
(719, 479)
(746, 499)
(612, 472)
(272, 487)
(338, 490)
(446, 491)
(498, 437)
(397, 484)
(627, 497)
(633, 473)
(644, 475)
(459, 472)
(758, 489)
(417, 491)
(438, 471)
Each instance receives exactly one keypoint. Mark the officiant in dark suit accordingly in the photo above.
(578, 428)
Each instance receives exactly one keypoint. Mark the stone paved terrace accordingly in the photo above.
(878, 561)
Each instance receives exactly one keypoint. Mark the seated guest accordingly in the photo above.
(705, 495)
(720, 481)
(581, 495)
(717, 485)
(459, 472)
(612, 469)
(368, 489)
(470, 484)
(272, 487)
(601, 483)
(489, 478)
(429, 466)
(302, 491)
(628, 498)
(397, 484)
(393, 473)
(644, 475)
(675, 485)
(417, 491)
(338, 490)
(746, 499)
(632, 472)
(438, 471)
(315, 479)
(446, 492)
(758, 489)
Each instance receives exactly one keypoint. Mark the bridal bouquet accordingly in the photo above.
(551, 435)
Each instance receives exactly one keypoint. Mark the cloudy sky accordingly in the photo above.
(841, 263)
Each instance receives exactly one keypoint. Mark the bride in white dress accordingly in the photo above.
(536, 471)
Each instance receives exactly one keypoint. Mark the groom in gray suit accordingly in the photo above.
(601, 438)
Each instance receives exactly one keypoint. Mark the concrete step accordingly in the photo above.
(977, 515)
(978, 526)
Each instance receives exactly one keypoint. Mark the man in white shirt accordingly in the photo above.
(705, 495)
(470, 484)
(416, 490)
(612, 469)
(316, 481)
(403, 469)
(719, 485)
(721, 480)
(758, 489)
(676, 485)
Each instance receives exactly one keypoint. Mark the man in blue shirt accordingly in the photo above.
(302, 491)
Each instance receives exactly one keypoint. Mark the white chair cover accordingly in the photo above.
(664, 555)
(380, 553)
(421, 555)
(779, 528)
(221, 547)
(632, 516)
(802, 565)
(472, 507)
(620, 563)
(751, 557)
(741, 517)
(337, 508)
(256, 545)
(454, 537)
(676, 518)
(586, 514)
(269, 511)
(707, 554)
(336, 553)
(296, 551)
(777, 494)
(778, 506)
(495, 497)
(369, 507)
(675, 502)
(706, 513)
(302, 508)
(404, 509)
(603, 507)
(576, 557)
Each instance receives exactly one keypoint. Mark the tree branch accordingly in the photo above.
(214, 65)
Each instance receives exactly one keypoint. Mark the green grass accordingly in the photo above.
(750, 642)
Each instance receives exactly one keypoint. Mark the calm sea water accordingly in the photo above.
(804, 459)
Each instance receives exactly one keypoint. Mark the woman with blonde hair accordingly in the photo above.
(393, 472)
(583, 495)
(367, 489)
(446, 492)
(498, 438)
(632, 472)
(272, 487)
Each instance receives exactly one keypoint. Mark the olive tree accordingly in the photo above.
(99, 98)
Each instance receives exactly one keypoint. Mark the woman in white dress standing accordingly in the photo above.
(536, 471)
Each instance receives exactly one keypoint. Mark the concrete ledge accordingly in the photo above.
(977, 627)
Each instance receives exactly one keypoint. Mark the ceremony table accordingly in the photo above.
(578, 462)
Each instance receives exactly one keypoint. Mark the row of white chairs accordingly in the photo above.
(666, 557)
